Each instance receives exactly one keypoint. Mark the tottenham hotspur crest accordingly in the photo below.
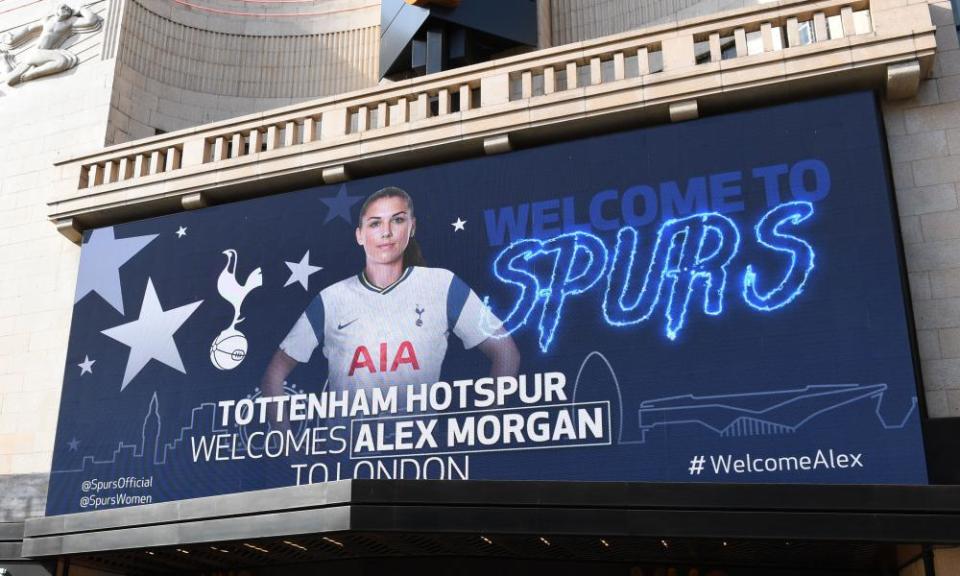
(230, 346)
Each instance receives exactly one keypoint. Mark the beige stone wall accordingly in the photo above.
(132, 79)
(576, 20)
(179, 68)
(924, 141)
(290, 64)
(42, 121)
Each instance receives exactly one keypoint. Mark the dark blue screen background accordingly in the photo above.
(847, 330)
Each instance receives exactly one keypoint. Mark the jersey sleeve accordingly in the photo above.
(306, 334)
(468, 317)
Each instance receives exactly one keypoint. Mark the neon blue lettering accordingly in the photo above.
(689, 255)
(580, 261)
(510, 268)
(688, 251)
(769, 234)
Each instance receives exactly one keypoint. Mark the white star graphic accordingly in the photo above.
(181, 232)
(100, 260)
(86, 367)
(73, 443)
(301, 271)
(458, 225)
(150, 336)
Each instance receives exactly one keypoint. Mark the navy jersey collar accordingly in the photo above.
(386, 289)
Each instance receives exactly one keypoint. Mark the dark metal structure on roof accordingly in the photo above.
(426, 36)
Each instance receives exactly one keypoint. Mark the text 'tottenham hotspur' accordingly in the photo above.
(459, 417)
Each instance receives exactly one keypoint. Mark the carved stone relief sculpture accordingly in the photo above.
(46, 57)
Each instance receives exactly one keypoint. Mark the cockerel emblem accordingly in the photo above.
(230, 346)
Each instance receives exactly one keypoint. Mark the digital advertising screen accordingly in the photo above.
(720, 300)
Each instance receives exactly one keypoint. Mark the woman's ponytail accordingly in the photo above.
(412, 255)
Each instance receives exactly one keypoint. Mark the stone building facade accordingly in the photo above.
(158, 66)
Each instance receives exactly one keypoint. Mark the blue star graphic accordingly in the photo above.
(73, 443)
(340, 205)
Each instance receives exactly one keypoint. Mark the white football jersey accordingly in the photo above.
(395, 335)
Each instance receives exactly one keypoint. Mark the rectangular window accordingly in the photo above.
(583, 75)
(516, 88)
(728, 47)
(834, 27)
(776, 33)
(631, 66)
(862, 24)
(655, 60)
(807, 33)
(754, 43)
(606, 71)
(560, 80)
(701, 51)
(538, 84)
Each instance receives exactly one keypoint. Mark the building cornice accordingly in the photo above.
(611, 83)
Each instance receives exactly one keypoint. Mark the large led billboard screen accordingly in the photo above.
(715, 301)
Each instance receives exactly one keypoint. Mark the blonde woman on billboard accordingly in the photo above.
(389, 324)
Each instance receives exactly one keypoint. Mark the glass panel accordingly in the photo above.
(516, 88)
(728, 47)
(834, 27)
(807, 33)
(776, 33)
(606, 71)
(861, 22)
(560, 80)
(656, 61)
(631, 65)
(583, 75)
(754, 43)
(538, 85)
(701, 51)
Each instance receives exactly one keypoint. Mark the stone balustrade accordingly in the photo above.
(779, 50)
